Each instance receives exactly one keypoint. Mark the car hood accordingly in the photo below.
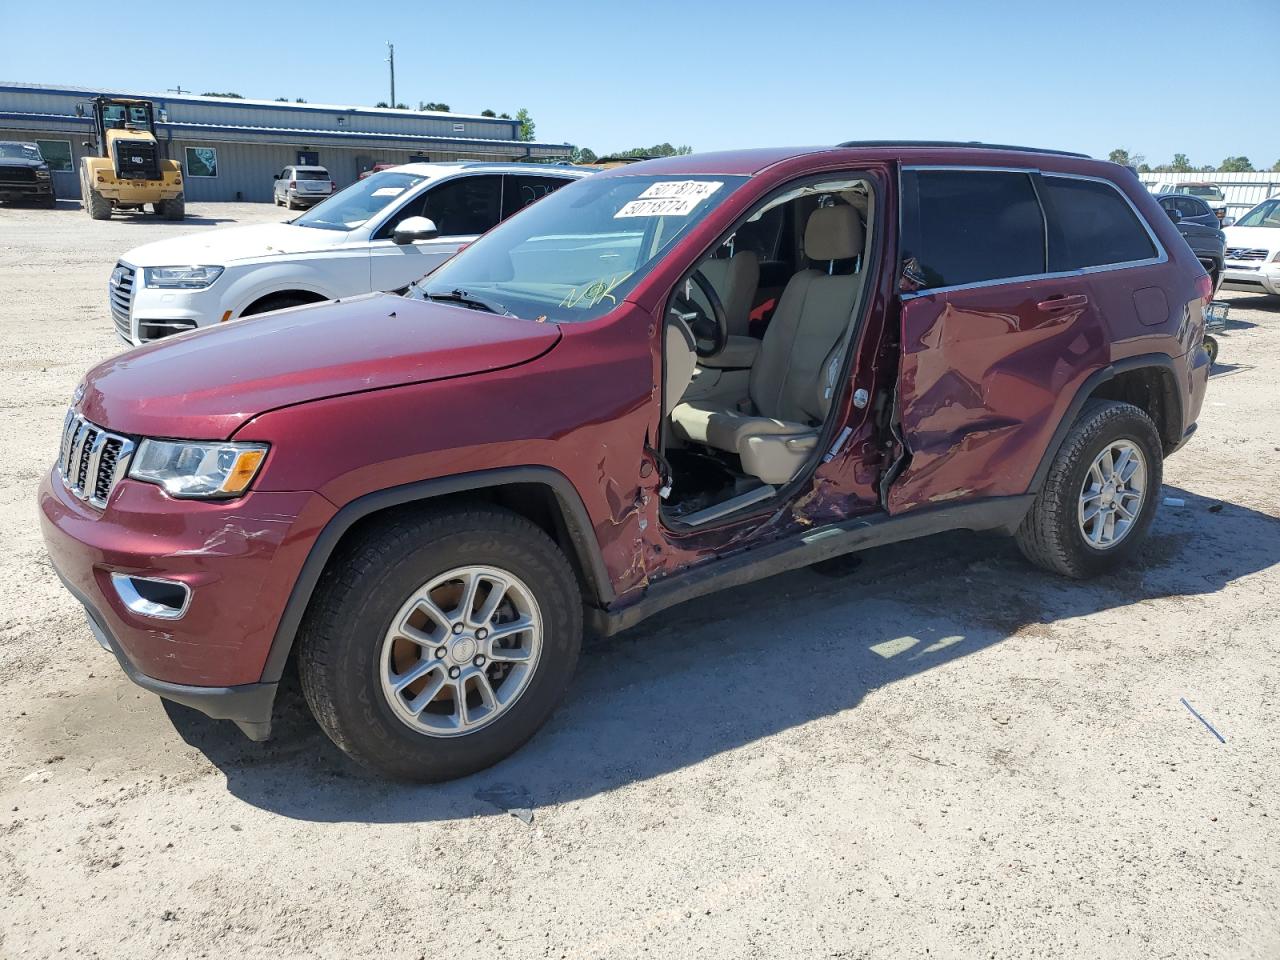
(1253, 237)
(229, 244)
(20, 162)
(206, 384)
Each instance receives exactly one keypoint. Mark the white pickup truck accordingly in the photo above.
(380, 233)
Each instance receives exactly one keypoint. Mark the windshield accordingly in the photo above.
(311, 174)
(1265, 214)
(20, 151)
(1207, 191)
(352, 207)
(575, 253)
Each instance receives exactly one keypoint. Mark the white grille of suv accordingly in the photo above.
(92, 461)
(1244, 253)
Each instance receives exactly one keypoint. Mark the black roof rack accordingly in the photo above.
(970, 144)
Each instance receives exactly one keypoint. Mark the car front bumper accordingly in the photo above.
(1258, 277)
(238, 559)
(26, 191)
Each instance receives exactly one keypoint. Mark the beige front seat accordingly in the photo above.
(734, 280)
(793, 381)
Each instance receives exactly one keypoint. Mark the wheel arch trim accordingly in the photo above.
(577, 523)
(1161, 361)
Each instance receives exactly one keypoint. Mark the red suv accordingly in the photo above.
(664, 380)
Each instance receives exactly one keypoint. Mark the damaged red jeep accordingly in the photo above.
(658, 382)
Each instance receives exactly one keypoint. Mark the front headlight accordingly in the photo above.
(187, 469)
(42, 173)
(181, 278)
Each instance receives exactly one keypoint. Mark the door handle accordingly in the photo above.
(1062, 302)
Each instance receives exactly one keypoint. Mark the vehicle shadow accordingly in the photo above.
(724, 671)
(133, 217)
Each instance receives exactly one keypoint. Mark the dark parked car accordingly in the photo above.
(659, 381)
(1200, 227)
(24, 174)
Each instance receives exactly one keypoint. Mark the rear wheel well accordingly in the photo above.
(1152, 390)
(280, 300)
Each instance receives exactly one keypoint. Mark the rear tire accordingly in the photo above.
(174, 209)
(1058, 532)
(1211, 348)
(346, 643)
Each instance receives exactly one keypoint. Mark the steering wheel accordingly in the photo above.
(710, 334)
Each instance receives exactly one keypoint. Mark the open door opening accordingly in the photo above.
(756, 338)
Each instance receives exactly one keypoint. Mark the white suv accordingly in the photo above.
(1253, 250)
(380, 233)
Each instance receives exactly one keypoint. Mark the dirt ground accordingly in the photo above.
(941, 752)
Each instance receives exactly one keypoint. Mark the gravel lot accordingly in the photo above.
(942, 751)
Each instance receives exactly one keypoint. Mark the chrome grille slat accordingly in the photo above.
(91, 461)
(120, 299)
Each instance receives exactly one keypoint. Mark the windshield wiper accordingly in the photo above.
(467, 300)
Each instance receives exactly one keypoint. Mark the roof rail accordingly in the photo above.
(967, 144)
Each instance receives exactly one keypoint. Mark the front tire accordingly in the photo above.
(98, 206)
(1100, 496)
(439, 642)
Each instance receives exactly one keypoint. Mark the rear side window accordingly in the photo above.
(966, 226)
(520, 191)
(1095, 224)
(312, 175)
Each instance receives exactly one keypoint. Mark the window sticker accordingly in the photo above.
(669, 198)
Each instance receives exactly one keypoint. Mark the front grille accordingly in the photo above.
(17, 174)
(137, 160)
(1245, 253)
(120, 293)
(149, 330)
(92, 461)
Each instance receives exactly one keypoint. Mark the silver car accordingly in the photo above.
(302, 186)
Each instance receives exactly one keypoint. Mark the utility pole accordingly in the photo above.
(178, 89)
(391, 59)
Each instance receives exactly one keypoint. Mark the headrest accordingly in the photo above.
(833, 233)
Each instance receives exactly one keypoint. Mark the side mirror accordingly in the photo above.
(1228, 221)
(412, 229)
(1175, 215)
(275, 176)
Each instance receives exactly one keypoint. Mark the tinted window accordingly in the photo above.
(1095, 224)
(971, 226)
(523, 190)
(312, 175)
(465, 205)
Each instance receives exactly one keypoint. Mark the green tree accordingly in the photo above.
(487, 113)
(1276, 167)
(504, 116)
(282, 99)
(228, 96)
(526, 124)
(1236, 165)
(582, 155)
(435, 107)
(1180, 163)
(1144, 168)
(402, 106)
(657, 150)
(299, 100)
(382, 103)
(1119, 155)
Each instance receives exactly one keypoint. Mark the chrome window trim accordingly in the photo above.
(1162, 255)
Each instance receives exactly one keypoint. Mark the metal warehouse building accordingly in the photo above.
(229, 149)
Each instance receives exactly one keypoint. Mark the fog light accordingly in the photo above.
(152, 596)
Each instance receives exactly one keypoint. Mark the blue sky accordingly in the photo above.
(1084, 76)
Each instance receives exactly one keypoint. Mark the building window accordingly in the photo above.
(459, 127)
(57, 153)
(202, 162)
